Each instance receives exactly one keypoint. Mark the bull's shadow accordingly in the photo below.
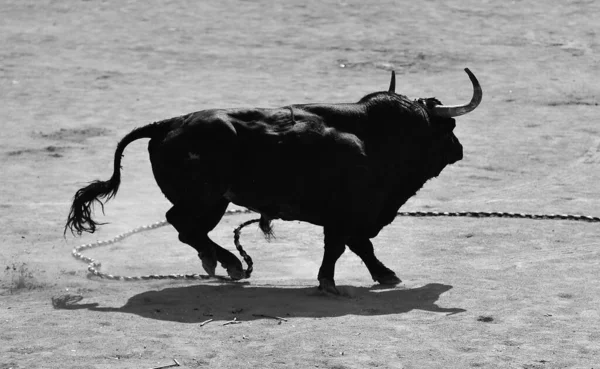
(193, 304)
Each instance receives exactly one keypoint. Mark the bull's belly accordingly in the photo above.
(277, 206)
(303, 186)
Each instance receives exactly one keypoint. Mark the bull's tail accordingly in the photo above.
(80, 217)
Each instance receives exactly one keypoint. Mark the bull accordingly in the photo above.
(345, 167)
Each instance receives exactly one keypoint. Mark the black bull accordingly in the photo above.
(346, 167)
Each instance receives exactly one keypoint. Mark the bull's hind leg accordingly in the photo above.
(363, 247)
(193, 221)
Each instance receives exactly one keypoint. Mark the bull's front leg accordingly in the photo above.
(334, 248)
(363, 247)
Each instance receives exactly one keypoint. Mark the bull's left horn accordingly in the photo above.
(450, 111)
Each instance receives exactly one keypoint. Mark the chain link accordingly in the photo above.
(94, 265)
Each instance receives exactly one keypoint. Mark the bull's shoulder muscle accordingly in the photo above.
(259, 120)
(348, 118)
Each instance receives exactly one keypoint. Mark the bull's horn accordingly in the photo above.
(393, 83)
(450, 111)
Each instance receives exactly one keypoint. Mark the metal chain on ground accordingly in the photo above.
(93, 265)
(497, 214)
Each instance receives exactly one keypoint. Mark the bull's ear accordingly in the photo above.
(393, 83)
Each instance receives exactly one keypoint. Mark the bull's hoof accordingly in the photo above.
(231, 263)
(234, 268)
(328, 285)
(235, 272)
(209, 264)
(388, 279)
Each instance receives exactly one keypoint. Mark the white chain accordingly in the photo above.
(94, 265)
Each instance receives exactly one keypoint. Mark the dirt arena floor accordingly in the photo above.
(76, 76)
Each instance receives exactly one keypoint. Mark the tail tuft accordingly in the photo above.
(80, 217)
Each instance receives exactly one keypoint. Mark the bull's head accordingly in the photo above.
(445, 147)
(439, 142)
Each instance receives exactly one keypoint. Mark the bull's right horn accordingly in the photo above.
(450, 111)
(393, 83)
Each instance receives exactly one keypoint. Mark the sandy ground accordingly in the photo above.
(75, 76)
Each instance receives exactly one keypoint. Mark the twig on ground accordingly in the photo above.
(270, 316)
(205, 322)
(168, 366)
(234, 321)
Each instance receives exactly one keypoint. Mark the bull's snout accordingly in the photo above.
(456, 150)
